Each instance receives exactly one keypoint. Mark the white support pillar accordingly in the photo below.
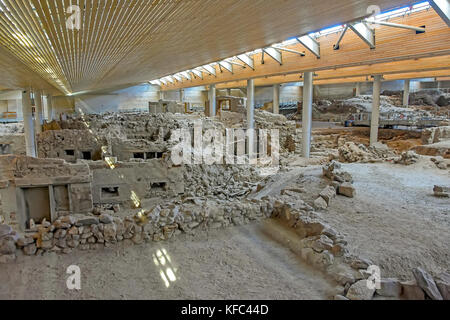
(375, 117)
(38, 115)
(212, 100)
(307, 113)
(181, 95)
(406, 93)
(276, 99)
(28, 124)
(358, 89)
(251, 120)
(50, 107)
(250, 104)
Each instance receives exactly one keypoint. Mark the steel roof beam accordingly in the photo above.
(442, 8)
(365, 33)
(311, 44)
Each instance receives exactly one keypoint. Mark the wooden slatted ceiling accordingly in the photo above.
(16, 75)
(392, 44)
(132, 41)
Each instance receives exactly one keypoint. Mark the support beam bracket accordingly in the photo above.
(275, 54)
(442, 8)
(311, 44)
(338, 43)
(197, 73)
(364, 32)
(186, 75)
(226, 65)
(210, 69)
(249, 61)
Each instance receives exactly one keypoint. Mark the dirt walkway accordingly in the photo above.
(394, 220)
(235, 263)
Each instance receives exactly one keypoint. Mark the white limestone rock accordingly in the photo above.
(390, 287)
(360, 291)
(426, 282)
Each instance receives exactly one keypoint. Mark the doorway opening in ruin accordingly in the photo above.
(87, 155)
(37, 204)
(110, 192)
(70, 152)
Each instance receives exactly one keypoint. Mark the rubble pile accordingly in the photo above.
(429, 97)
(11, 128)
(290, 136)
(407, 158)
(441, 163)
(435, 135)
(436, 142)
(387, 106)
(129, 125)
(441, 191)
(221, 181)
(351, 152)
(341, 184)
(343, 108)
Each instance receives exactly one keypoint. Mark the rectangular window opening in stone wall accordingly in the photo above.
(110, 192)
(5, 149)
(87, 155)
(158, 186)
(70, 152)
(138, 155)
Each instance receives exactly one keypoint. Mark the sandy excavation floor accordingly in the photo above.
(234, 263)
(394, 220)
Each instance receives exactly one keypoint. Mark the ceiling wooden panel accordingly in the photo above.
(130, 41)
(16, 75)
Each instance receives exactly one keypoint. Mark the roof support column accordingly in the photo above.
(212, 100)
(358, 89)
(375, 117)
(250, 104)
(28, 124)
(181, 95)
(50, 107)
(406, 93)
(276, 99)
(307, 113)
(251, 121)
(38, 111)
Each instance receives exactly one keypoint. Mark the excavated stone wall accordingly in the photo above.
(12, 144)
(70, 145)
(31, 187)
